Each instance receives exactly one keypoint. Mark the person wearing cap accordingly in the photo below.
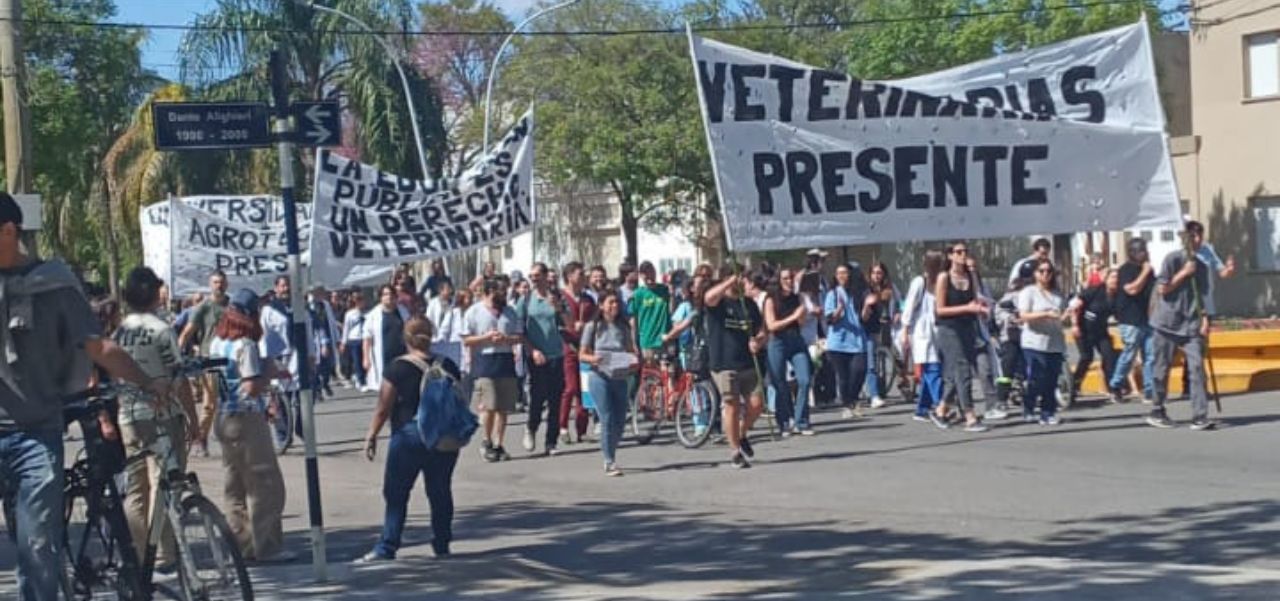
(154, 346)
(253, 488)
(1136, 282)
(54, 340)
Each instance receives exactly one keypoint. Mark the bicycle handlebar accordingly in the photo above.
(89, 402)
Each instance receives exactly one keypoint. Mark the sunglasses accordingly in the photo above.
(1046, 270)
(959, 251)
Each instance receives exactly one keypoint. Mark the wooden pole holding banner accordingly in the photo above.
(19, 174)
(299, 338)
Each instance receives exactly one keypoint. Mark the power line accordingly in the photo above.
(598, 32)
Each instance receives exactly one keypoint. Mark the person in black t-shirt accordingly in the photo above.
(407, 455)
(735, 334)
(1136, 278)
(1090, 312)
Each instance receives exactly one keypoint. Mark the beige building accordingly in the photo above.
(1228, 167)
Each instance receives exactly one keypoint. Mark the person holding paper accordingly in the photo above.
(609, 347)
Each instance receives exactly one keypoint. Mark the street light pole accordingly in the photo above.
(394, 55)
(493, 69)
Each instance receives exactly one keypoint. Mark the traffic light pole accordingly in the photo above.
(298, 338)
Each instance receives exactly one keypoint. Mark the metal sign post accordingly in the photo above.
(283, 129)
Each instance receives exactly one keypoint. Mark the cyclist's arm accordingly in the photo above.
(110, 356)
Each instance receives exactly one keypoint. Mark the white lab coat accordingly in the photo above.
(448, 324)
(918, 314)
(373, 333)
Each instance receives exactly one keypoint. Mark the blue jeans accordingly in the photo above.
(355, 354)
(1135, 337)
(1042, 382)
(610, 396)
(873, 377)
(31, 478)
(406, 458)
(789, 348)
(930, 388)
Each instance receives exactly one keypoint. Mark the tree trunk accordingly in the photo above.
(109, 238)
(629, 224)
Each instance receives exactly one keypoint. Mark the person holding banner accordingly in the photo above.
(383, 336)
(1180, 321)
(609, 347)
(957, 312)
(199, 331)
(490, 331)
(735, 333)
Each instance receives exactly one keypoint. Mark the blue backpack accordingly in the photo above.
(444, 421)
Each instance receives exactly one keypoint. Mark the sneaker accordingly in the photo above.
(919, 418)
(847, 413)
(1116, 397)
(995, 414)
(739, 462)
(486, 451)
(1160, 420)
(598, 430)
(1051, 420)
(373, 557)
(1029, 418)
(528, 442)
(282, 556)
(552, 452)
(976, 427)
(202, 450)
(1203, 423)
(806, 431)
(877, 402)
(745, 446)
(328, 392)
(612, 470)
(698, 431)
(565, 438)
(1147, 400)
(441, 551)
(501, 454)
(939, 422)
(787, 433)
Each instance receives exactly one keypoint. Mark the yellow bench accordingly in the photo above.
(1244, 361)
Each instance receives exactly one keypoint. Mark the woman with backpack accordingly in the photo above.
(609, 347)
(407, 454)
(846, 307)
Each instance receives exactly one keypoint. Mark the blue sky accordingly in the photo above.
(160, 53)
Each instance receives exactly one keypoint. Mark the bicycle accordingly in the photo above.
(210, 565)
(664, 395)
(98, 550)
(697, 413)
(282, 409)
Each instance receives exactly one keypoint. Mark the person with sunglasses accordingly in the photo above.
(1043, 344)
(958, 310)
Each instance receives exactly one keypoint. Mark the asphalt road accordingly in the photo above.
(1101, 507)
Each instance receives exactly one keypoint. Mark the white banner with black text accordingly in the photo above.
(366, 217)
(1059, 139)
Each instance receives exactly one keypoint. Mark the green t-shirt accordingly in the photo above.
(650, 306)
(542, 327)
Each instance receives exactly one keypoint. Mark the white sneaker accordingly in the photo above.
(847, 414)
(598, 430)
(528, 441)
(877, 402)
(995, 414)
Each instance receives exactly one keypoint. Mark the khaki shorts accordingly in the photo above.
(733, 385)
(496, 394)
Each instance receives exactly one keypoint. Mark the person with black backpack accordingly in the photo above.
(399, 401)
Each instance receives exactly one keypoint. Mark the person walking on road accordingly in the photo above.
(542, 313)
(1043, 343)
(1090, 312)
(919, 335)
(353, 338)
(582, 310)
(407, 455)
(199, 331)
(383, 336)
(1179, 321)
(609, 347)
(490, 332)
(1136, 279)
(735, 333)
(784, 315)
(957, 312)
(845, 308)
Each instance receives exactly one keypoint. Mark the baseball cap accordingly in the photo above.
(246, 301)
(816, 252)
(10, 212)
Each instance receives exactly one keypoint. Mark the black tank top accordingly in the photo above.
(956, 298)
(784, 306)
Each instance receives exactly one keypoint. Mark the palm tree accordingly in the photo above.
(329, 59)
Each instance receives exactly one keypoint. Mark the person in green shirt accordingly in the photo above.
(650, 311)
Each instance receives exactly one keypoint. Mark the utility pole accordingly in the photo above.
(19, 176)
(298, 335)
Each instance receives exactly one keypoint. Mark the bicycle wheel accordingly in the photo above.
(649, 408)
(101, 562)
(887, 369)
(281, 423)
(210, 566)
(696, 415)
(1063, 390)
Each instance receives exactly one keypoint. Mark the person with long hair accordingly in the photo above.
(1090, 312)
(407, 454)
(353, 338)
(383, 336)
(919, 334)
(879, 328)
(957, 312)
(1043, 343)
(253, 488)
(609, 347)
(784, 316)
(844, 307)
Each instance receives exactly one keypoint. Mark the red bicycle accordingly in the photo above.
(666, 393)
